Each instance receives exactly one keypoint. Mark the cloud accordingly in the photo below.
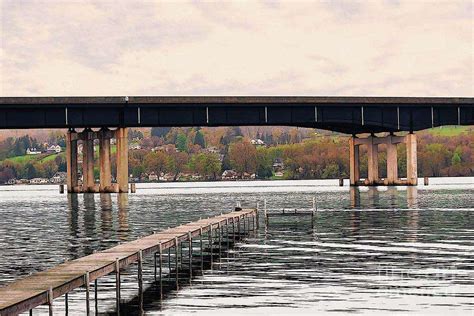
(236, 48)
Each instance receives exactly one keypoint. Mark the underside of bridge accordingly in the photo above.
(351, 115)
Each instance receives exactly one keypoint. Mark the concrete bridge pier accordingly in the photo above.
(105, 183)
(105, 166)
(391, 142)
(71, 161)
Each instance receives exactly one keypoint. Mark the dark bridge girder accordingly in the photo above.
(350, 115)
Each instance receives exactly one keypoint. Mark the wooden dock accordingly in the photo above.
(43, 287)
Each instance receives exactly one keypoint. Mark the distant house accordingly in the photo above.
(58, 178)
(279, 174)
(39, 181)
(257, 142)
(152, 177)
(278, 164)
(54, 149)
(32, 151)
(229, 175)
(212, 150)
(135, 147)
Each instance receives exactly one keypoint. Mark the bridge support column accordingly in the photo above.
(71, 161)
(104, 158)
(88, 184)
(354, 169)
(412, 162)
(121, 135)
(392, 161)
(391, 142)
(373, 161)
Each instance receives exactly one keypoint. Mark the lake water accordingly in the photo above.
(394, 250)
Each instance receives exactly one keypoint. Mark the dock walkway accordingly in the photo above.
(43, 287)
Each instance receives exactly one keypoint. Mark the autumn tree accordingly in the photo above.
(243, 157)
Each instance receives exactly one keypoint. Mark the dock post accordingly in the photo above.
(50, 301)
(96, 302)
(238, 227)
(227, 232)
(154, 265)
(140, 273)
(202, 255)
(233, 230)
(117, 285)
(87, 281)
(211, 251)
(256, 216)
(169, 262)
(426, 181)
(244, 224)
(219, 236)
(176, 245)
(160, 250)
(66, 305)
(265, 217)
(190, 256)
(181, 254)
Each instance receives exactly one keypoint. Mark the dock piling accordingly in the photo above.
(190, 239)
(202, 254)
(140, 273)
(117, 285)
(160, 251)
(96, 302)
(176, 245)
(211, 251)
(50, 300)
(86, 283)
(66, 305)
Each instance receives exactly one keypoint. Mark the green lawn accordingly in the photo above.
(449, 130)
(33, 158)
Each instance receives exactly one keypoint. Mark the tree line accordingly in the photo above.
(205, 153)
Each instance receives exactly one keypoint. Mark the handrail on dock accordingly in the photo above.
(43, 287)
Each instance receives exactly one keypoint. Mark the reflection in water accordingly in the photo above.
(73, 222)
(106, 218)
(371, 250)
(354, 193)
(89, 222)
(355, 223)
(123, 231)
(390, 197)
(412, 197)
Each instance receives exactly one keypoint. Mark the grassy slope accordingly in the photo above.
(450, 130)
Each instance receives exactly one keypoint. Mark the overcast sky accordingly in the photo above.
(392, 48)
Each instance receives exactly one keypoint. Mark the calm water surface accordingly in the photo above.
(371, 251)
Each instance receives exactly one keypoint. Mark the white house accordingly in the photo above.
(152, 177)
(32, 151)
(39, 181)
(54, 149)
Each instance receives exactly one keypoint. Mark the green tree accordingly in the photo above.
(199, 139)
(456, 160)
(181, 142)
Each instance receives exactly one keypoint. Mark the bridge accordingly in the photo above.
(351, 115)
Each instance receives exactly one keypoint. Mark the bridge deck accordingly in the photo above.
(27, 293)
(350, 115)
